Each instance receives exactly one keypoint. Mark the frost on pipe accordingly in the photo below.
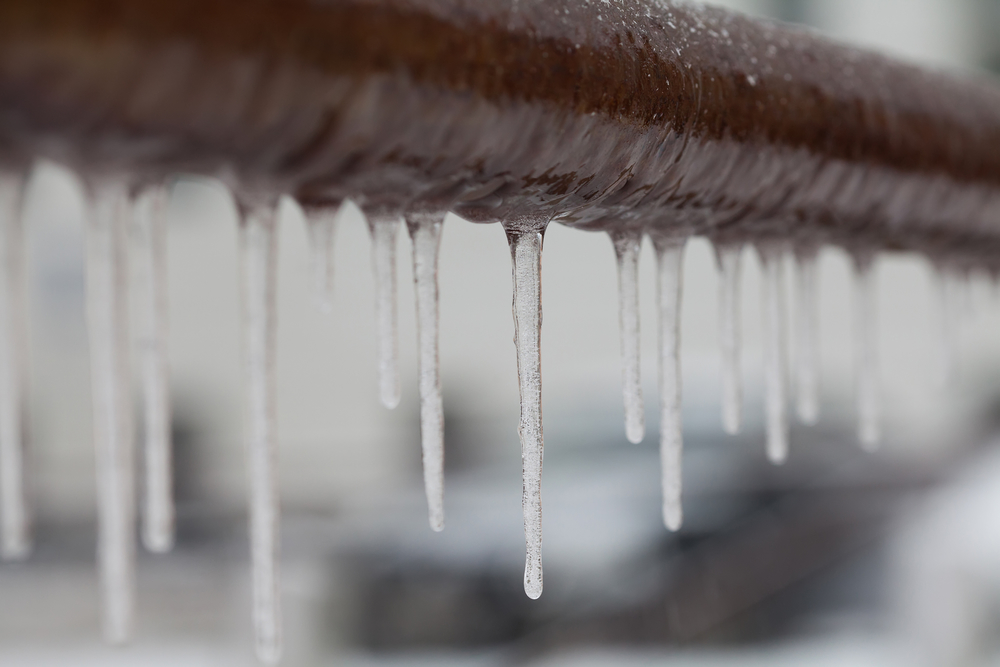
(259, 255)
(151, 282)
(107, 223)
(15, 521)
(627, 246)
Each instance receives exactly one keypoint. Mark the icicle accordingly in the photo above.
(807, 334)
(383, 231)
(107, 314)
(866, 351)
(525, 238)
(775, 374)
(670, 262)
(15, 543)
(151, 274)
(730, 261)
(258, 237)
(322, 224)
(425, 232)
(627, 247)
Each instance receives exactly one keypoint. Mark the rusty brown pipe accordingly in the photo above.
(598, 115)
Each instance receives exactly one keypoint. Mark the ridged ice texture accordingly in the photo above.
(670, 264)
(322, 226)
(258, 241)
(627, 246)
(775, 371)
(526, 255)
(108, 220)
(15, 520)
(866, 352)
(383, 232)
(807, 334)
(150, 258)
(730, 261)
(425, 233)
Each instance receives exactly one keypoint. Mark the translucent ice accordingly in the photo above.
(425, 232)
(670, 259)
(627, 245)
(108, 219)
(775, 372)
(151, 284)
(866, 351)
(384, 231)
(15, 535)
(807, 335)
(729, 259)
(258, 249)
(526, 253)
(322, 225)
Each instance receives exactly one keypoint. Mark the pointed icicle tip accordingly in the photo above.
(627, 246)
(425, 234)
(525, 239)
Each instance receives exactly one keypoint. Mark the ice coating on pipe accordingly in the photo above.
(775, 370)
(525, 238)
(866, 352)
(425, 232)
(150, 253)
(729, 258)
(321, 222)
(108, 218)
(627, 245)
(807, 334)
(384, 231)
(259, 257)
(15, 518)
(670, 264)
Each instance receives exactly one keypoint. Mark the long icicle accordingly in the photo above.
(383, 231)
(258, 237)
(775, 372)
(322, 226)
(107, 312)
(151, 265)
(425, 232)
(807, 334)
(866, 351)
(729, 258)
(525, 238)
(627, 246)
(670, 264)
(15, 520)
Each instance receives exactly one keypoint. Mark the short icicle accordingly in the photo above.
(525, 238)
(383, 231)
(866, 351)
(322, 225)
(729, 258)
(425, 232)
(949, 315)
(15, 520)
(151, 274)
(670, 264)
(258, 240)
(775, 373)
(108, 219)
(627, 246)
(807, 334)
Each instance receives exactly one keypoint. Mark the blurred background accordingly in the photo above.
(837, 558)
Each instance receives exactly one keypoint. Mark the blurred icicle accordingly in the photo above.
(775, 370)
(807, 334)
(729, 258)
